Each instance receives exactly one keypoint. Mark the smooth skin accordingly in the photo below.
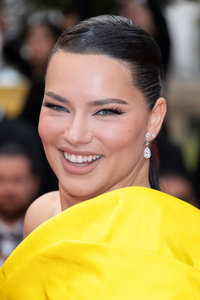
(91, 107)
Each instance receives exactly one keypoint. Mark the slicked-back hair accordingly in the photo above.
(120, 39)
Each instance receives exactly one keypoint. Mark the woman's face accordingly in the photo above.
(93, 124)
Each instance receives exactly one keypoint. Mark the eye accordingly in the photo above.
(109, 111)
(55, 107)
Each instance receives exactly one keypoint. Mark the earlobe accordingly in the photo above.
(157, 116)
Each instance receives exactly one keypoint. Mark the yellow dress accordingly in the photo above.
(130, 244)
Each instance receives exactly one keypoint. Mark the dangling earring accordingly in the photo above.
(147, 151)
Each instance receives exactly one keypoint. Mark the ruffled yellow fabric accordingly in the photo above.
(134, 243)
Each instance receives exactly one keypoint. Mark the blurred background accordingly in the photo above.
(28, 32)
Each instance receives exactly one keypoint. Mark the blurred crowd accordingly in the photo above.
(24, 171)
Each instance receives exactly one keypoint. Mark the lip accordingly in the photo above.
(79, 170)
(77, 152)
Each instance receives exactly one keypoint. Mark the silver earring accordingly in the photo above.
(147, 151)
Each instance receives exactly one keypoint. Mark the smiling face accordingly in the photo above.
(93, 124)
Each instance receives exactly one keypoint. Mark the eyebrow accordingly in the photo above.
(106, 101)
(91, 103)
(57, 97)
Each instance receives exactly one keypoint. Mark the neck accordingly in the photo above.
(68, 200)
(139, 178)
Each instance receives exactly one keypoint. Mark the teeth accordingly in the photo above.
(79, 158)
(90, 158)
(73, 158)
(66, 156)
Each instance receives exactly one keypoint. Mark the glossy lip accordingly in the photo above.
(79, 170)
(77, 152)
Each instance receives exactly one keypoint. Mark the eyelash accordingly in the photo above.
(55, 107)
(104, 112)
(111, 111)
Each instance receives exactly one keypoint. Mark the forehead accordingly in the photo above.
(91, 63)
(89, 74)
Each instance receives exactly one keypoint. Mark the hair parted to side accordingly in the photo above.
(118, 38)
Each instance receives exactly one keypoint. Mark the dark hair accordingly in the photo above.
(119, 38)
(15, 149)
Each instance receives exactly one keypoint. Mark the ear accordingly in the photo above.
(157, 116)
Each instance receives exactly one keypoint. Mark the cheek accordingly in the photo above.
(124, 136)
(43, 129)
(48, 129)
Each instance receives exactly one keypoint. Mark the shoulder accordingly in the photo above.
(42, 209)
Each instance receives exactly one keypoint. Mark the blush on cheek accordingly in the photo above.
(40, 129)
(121, 137)
(45, 129)
(40, 124)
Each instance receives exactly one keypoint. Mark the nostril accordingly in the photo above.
(76, 136)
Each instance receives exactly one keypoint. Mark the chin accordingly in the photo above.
(80, 191)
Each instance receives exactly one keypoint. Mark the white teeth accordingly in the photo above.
(80, 159)
(73, 158)
(90, 158)
(66, 156)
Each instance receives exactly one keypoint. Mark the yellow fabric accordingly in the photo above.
(134, 243)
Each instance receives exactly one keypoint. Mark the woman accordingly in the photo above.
(100, 112)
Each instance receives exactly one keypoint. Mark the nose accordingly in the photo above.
(78, 131)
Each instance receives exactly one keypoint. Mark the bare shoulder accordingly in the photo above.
(42, 209)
